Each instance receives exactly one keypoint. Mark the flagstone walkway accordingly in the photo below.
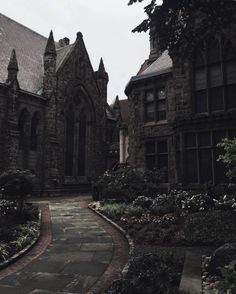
(85, 254)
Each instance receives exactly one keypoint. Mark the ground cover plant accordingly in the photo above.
(179, 218)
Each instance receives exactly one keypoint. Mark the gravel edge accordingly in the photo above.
(25, 250)
(123, 232)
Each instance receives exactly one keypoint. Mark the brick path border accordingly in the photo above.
(120, 254)
(40, 246)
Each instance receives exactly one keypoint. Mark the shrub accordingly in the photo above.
(143, 201)
(126, 183)
(150, 273)
(16, 185)
(163, 204)
(136, 211)
(191, 201)
(7, 208)
(229, 157)
(210, 228)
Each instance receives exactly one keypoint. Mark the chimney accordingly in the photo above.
(64, 42)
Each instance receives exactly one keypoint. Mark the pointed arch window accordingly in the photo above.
(214, 77)
(69, 152)
(22, 129)
(34, 131)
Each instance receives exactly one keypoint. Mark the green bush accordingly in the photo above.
(15, 185)
(229, 157)
(136, 211)
(210, 228)
(150, 273)
(126, 183)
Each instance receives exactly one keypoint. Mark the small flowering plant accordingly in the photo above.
(226, 202)
(190, 201)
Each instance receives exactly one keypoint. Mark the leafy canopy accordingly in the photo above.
(177, 21)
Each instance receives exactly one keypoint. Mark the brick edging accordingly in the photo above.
(123, 248)
(38, 248)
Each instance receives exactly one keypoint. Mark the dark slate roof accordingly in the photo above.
(160, 66)
(163, 63)
(29, 47)
(124, 110)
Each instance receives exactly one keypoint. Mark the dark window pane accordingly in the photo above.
(191, 166)
(231, 96)
(161, 115)
(230, 68)
(201, 101)
(214, 51)
(162, 165)
(198, 59)
(162, 147)
(161, 110)
(205, 164)
(190, 140)
(150, 96)
(232, 133)
(215, 76)
(82, 145)
(216, 99)
(151, 162)
(204, 139)
(150, 112)
(220, 170)
(218, 136)
(69, 155)
(150, 147)
(230, 51)
(200, 79)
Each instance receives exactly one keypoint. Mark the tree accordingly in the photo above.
(16, 185)
(229, 157)
(177, 21)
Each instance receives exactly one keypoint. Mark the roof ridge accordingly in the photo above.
(18, 23)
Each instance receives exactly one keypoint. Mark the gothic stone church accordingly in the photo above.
(53, 108)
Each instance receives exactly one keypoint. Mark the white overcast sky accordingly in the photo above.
(106, 26)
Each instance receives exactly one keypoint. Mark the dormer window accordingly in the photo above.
(155, 105)
(214, 77)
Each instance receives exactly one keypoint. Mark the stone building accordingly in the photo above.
(180, 111)
(53, 109)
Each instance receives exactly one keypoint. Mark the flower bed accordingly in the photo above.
(17, 233)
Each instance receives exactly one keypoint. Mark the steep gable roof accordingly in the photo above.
(29, 47)
(159, 66)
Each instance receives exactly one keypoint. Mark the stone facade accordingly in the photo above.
(54, 123)
(175, 118)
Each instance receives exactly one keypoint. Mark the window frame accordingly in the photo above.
(206, 66)
(156, 102)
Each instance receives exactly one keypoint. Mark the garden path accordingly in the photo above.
(85, 255)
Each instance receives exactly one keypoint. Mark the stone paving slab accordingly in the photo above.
(82, 250)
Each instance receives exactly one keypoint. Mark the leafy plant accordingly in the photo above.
(229, 157)
(126, 183)
(227, 284)
(150, 273)
(16, 185)
(180, 24)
